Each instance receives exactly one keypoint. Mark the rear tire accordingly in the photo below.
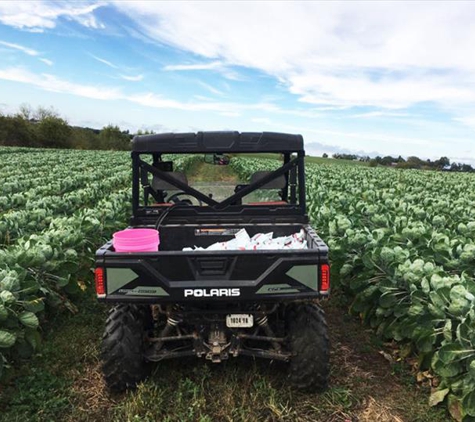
(123, 346)
(309, 344)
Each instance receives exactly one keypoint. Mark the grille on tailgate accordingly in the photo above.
(211, 266)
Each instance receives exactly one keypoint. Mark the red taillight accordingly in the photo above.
(324, 278)
(100, 284)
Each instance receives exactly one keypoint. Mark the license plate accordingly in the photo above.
(239, 321)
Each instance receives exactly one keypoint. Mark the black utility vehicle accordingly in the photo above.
(216, 304)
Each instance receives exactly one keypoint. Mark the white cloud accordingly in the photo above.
(151, 99)
(52, 83)
(263, 120)
(203, 98)
(39, 15)
(135, 78)
(230, 114)
(87, 19)
(330, 54)
(194, 66)
(216, 66)
(371, 114)
(467, 120)
(104, 61)
(210, 88)
(46, 61)
(386, 55)
(26, 50)
(23, 49)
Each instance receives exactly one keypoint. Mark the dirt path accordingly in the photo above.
(382, 388)
(203, 172)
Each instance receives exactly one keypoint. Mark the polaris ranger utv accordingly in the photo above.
(215, 304)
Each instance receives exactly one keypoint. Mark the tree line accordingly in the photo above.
(44, 127)
(443, 163)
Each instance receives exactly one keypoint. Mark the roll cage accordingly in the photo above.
(230, 209)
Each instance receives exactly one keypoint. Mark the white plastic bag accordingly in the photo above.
(260, 241)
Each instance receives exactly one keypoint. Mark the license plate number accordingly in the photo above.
(239, 321)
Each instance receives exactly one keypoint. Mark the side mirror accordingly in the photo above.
(217, 159)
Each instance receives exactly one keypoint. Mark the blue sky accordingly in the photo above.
(368, 77)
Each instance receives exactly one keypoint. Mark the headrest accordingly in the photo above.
(159, 184)
(278, 183)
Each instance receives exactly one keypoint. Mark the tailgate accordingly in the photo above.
(176, 276)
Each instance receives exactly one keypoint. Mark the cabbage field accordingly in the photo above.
(402, 248)
(403, 245)
(56, 207)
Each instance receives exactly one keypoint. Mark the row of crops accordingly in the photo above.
(56, 208)
(403, 246)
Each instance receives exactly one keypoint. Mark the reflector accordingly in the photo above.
(100, 285)
(324, 278)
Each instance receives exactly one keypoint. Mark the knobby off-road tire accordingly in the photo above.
(308, 341)
(123, 346)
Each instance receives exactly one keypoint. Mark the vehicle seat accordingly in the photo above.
(277, 184)
(159, 184)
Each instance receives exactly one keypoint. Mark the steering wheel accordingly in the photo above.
(175, 198)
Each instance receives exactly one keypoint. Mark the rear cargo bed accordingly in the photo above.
(175, 238)
(173, 275)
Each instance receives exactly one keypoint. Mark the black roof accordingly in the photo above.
(218, 142)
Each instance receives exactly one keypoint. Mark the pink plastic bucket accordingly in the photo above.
(136, 240)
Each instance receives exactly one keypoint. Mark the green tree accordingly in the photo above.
(111, 137)
(26, 111)
(84, 138)
(467, 168)
(42, 113)
(442, 162)
(54, 132)
(145, 132)
(387, 160)
(17, 131)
